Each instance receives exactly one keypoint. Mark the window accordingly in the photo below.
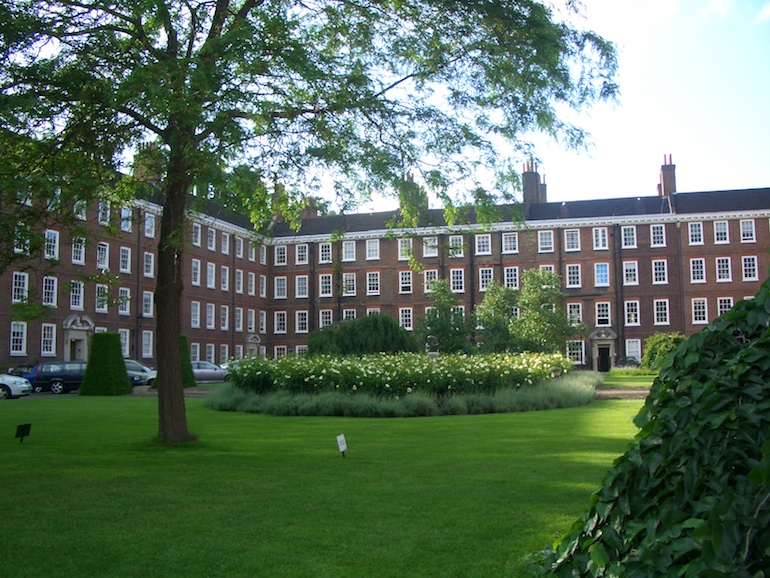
(511, 277)
(325, 317)
(104, 213)
(348, 250)
(572, 240)
(573, 275)
(510, 242)
(211, 239)
(404, 281)
(20, 289)
(603, 314)
(300, 287)
(373, 283)
(239, 281)
(601, 274)
(239, 247)
(147, 344)
(251, 283)
(748, 233)
(251, 324)
(210, 352)
(50, 289)
(628, 234)
(430, 247)
(372, 310)
(195, 351)
(372, 249)
(659, 271)
(549, 268)
(600, 239)
(211, 275)
(263, 322)
(456, 249)
(721, 232)
(103, 256)
(279, 288)
(749, 266)
(279, 322)
(18, 338)
(405, 317)
(457, 280)
(325, 253)
(348, 284)
(545, 241)
(724, 269)
(78, 251)
(698, 270)
(632, 312)
(262, 286)
(149, 264)
(51, 249)
(195, 272)
(630, 273)
(660, 307)
(196, 234)
(634, 348)
(195, 314)
(80, 209)
(262, 255)
(102, 298)
(325, 285)
(124, 301)
(126, 219)
(125, 341)
(279, 351)
(223, 352)
(224, 317)
(657, 235)
(575, 313)
(301, 324)
(210, 311)
(404, 249)
(148, 302)
(429, 276)
(724, 304)
(485, 278)
(696, 233)
(76, 295)
(239, 352)
(225, 243)
(699, 311)
(238, 319)
(348, 314)
(224, 278)
(301, 254)
(576, 351)
(484, 244)
(279, 255)
(125, 260)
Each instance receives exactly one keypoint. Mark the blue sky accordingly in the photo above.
(694, 78)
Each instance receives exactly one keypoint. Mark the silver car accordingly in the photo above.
(140, 374)
(205, 371)
(12, 386)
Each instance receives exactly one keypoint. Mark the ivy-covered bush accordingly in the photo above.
(377, 333)
(396, 375)
(690, 497)
(106, 371)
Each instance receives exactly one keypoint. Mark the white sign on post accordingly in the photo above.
(342, 444)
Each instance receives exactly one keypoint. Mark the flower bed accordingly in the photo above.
(397, 375)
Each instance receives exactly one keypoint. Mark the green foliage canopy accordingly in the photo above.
(377, 333)
(444, 324)
(657, 346)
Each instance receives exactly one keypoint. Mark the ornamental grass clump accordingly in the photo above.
(690, 497)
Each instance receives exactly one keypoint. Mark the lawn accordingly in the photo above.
(87, 494)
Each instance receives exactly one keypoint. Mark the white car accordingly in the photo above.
(12, 386)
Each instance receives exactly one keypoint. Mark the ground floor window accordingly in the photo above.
(576, 351)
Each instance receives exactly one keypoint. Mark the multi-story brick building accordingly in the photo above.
(630, 266)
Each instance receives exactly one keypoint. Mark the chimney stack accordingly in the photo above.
(534, 190)
(667, 185)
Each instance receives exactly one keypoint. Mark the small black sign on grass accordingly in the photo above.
(22, 431)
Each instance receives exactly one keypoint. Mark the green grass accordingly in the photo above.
(629, 378)
(88, 493)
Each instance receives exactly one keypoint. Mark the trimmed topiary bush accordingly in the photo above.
(106, 371)
(691, 496)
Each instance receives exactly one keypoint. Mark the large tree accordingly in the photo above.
(368, 92)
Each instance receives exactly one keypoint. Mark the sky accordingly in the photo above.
(694, 80)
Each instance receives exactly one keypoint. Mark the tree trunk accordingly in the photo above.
(168, 299)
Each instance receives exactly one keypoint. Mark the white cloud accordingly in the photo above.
(718, 8)
(764, 13)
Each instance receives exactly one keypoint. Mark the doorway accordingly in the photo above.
(603, 358)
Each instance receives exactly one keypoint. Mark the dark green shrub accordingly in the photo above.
(378, 333)
(106, 372)
(657, 346)
(691, 496)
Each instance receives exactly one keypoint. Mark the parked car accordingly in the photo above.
(205, 371)
(140, 374)
(627, 362)
(13, 386)
(57, 376)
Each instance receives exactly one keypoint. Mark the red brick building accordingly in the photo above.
(631, 267)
